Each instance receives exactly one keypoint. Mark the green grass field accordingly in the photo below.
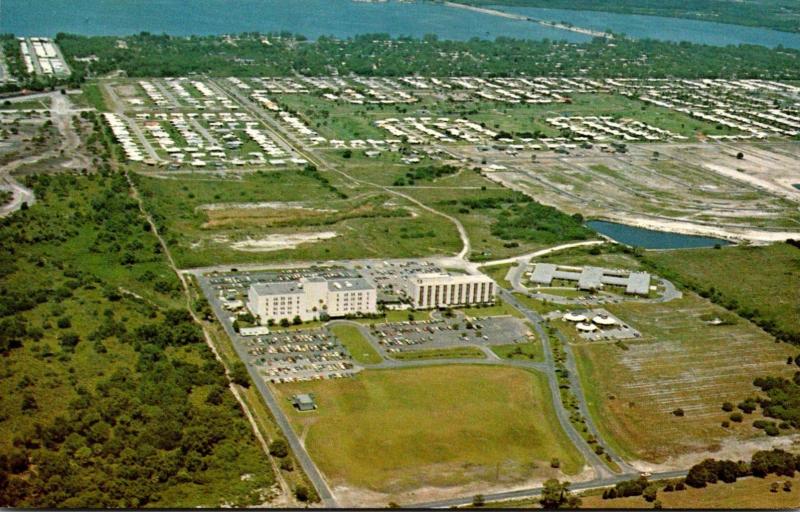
(521, 351)
(394, 228)
(767, 277)
(403, 316)
(356, 344)
(440, 353)
(680, 361)
(610, 256)
(500, 308)
(393, 431)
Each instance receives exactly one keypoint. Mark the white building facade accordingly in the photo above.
(441, 290)
(309, 298)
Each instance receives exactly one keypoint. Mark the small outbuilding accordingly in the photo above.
(304, 402)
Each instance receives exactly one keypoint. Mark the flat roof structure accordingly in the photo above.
(304, 402)
(278, 288)
(592, 278)
(350, 283)
(543, 273)
(638, 283)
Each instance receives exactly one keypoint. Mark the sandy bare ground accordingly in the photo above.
(756, 181)
(731, 448)
(358, 497)
(271, 205)
(278, 242)
(691, 228)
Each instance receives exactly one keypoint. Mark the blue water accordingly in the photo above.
(796, 185)
(669, 29)
(345, 18)
(650, 239)
(311, 18)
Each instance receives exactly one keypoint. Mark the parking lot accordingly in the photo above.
(299, 355)
(450, 332)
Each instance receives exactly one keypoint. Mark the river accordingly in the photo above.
(346, 18)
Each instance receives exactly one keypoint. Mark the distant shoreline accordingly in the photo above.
(520, 17)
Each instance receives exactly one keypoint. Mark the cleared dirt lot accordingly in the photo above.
(691, 188)
(682, 362)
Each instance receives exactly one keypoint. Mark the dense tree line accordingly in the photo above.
(536, 222)
(781, 401)
(379, 55)
(762, 463)
(425, 173)
(154, 419)
(711, 471)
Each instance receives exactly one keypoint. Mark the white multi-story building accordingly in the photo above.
(431, 290)
(309, 298)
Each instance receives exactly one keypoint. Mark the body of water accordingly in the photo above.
(651, 239)
(667, 29)
(311, 18)
(346, 18)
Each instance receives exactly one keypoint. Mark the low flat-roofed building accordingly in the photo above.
(438, 289)
(543, 273)
(638, 283)
(592, 278)
(304, 402)
(311, 298)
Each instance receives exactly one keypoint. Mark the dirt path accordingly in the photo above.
(285, 498)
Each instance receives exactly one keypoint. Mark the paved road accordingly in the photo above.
(597, 464)
(536, 491)
(311, 470)
(527, 257)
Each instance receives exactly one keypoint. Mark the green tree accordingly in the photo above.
(279, 448)
(239, 374)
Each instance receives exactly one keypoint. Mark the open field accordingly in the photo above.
(522, 351)
(440, 353)
(479, 222)
(281, 216)
(767, 278)
(390, 433)
(681, 361)
(356, 344)
(606, 256)
(498, 273)
(670, 186)
(500, 308)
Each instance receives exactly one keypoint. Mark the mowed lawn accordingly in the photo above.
(356, 344)
(681, 361)
(393, 431)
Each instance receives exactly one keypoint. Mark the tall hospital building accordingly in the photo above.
(309, 298)
(441, 289)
